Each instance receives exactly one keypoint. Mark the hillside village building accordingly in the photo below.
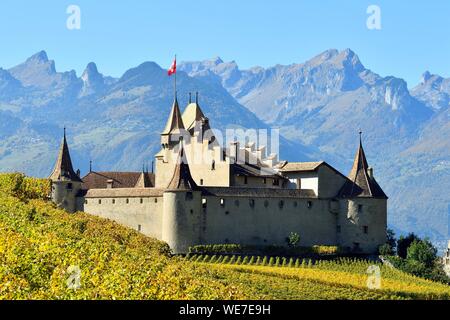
(239, 195)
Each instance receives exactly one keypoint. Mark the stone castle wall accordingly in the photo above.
(183, 219)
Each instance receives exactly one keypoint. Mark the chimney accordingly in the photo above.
(109, 184)
(78, 173)
(370, 172)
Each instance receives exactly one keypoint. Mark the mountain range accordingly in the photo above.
(319, 106)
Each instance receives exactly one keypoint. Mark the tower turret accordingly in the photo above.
(174, 127)
(363, 221)
(65, 182)
(182, 209)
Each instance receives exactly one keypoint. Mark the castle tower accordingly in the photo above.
(182, 211)
(363, 222)
(170, 138)
(174, 127)
(65, 182)
(194, 119)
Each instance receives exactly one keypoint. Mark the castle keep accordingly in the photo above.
(237, 195)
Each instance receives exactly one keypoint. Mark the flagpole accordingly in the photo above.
(175, 79)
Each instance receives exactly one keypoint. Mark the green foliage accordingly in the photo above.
(403, 243)
(293, 239)
(390, 238)
(385, 250)
(236, 249)
(264, 261)
(423, 252)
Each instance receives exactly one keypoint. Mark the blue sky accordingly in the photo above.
(117, 35)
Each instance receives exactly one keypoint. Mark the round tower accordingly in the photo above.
(362, 223)
(182, 210)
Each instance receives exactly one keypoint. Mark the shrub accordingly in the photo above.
(264, 262)
(291, 263)
(245, 260)
(271, 261)
(293, 239)
(277, 262)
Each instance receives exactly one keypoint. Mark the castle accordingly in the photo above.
(237, 195)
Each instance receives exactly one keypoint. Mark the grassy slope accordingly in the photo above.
(39, 242)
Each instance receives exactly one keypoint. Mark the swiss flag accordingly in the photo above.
(173, 67)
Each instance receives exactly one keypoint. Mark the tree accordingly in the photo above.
(422, 251)
(403, 244)
(385, 249)
(390, 238)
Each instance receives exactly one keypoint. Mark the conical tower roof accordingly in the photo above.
(63, 170)
(175, 122)
(360, 183)
(182, 179)
(144, 181)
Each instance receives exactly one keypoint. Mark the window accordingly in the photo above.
(204, 203)
(245, 180)
(227, 212)
(142, 200)
(85, 201)
(360, 208)
(156, 200)
(127, 201)
(252, 202)
(139, 227)
(266, 203)
(201, 182)
(113, 201)
(99, 201)
(276, 182)
(295, 204)
(264, 180)
(338, 229)
(213, 165)
(309, 204)
(222, 202)
(69, 186)
(366, 229)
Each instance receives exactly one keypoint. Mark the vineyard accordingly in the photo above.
(343, 272)
(46, 253)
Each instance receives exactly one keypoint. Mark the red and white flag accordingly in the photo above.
(173, 67)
